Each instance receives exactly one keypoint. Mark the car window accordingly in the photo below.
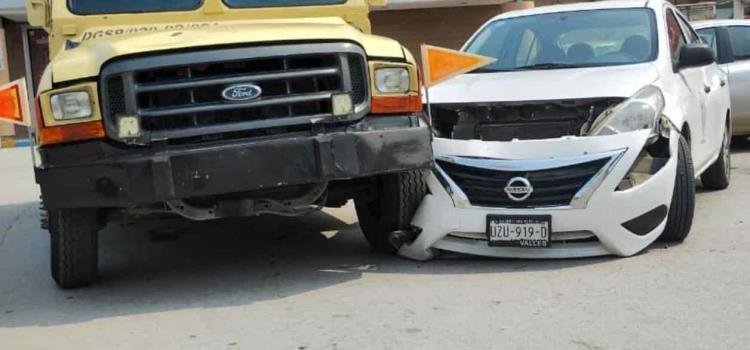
(589, 38)
(708, 37)
(676, 37)
(740, 38)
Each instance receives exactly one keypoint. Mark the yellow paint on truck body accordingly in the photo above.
(81, 44)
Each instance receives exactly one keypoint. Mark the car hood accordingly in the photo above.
(541, 85)
(101, 44)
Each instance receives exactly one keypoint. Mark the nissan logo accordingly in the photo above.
(519, 189)
(242, 92)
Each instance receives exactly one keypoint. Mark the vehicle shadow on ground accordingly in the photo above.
(207, 265)
(741, 145)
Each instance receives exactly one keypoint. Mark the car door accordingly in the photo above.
(714, 82)
(739, 76)
(690, 91)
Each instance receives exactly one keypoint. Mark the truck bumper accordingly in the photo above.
(100, 174)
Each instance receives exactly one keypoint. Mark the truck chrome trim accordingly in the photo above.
(124, 89)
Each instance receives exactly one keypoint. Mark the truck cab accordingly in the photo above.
(210, 109)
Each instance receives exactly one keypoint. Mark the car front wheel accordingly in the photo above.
(680, 219)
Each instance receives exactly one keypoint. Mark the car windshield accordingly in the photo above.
(568, 40)
(91, 7)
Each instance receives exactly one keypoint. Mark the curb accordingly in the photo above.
(11, 143)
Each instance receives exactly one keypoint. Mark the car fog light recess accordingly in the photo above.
(392, 80)
(128, 127)
(342, 105)
(665, 127)
(71, 105)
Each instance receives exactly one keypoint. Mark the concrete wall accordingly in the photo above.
(16, 62)
(446, 27)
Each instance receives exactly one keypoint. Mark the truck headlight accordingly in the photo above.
(640, 112)
(392, 80)
(71, 105)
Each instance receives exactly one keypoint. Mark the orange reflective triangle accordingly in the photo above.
(441, 64)
(13, 104)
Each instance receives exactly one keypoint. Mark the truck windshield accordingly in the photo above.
(93, 7)
(568, 40)
(279, 3)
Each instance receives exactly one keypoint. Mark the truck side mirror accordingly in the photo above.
(38, 13)
(377, 2)
(696, 55)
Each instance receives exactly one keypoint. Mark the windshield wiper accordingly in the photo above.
(549, 66)
(490, 70)
(530, 67)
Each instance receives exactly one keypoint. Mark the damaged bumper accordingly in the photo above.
(590, 215)
(101, 174)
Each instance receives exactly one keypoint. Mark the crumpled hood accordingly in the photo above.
(541, 85)
(99, 45)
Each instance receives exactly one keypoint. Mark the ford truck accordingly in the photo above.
(211, 109)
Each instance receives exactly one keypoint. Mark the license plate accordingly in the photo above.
(519, 231)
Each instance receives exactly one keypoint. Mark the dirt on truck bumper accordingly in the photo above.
(106, 174)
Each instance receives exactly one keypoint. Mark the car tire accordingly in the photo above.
(74, 246)
(718, 175)
(397, 198)
(682, 209)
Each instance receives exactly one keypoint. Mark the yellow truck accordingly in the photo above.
(210, 109)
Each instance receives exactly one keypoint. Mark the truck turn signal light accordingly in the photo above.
(67, 133)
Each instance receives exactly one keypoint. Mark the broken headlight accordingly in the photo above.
(640, 112)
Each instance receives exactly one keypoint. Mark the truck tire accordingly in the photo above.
(397, 198)
(717, 176)
(74, 246)
(682, 209)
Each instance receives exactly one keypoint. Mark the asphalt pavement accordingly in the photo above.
(313, 283)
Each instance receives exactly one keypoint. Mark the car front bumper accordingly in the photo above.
(104, 174)
(590, 226)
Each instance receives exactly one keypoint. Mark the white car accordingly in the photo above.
(730, 40)
(584, 138)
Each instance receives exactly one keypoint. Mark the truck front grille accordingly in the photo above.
(551, 187)
(180, 95)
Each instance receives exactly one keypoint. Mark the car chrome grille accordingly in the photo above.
(180, 95)
(551, 187)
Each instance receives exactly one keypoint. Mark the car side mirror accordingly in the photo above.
(696, 55)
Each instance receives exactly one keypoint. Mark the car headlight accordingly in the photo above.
(640, 112)
(71, 105)
(392, 80)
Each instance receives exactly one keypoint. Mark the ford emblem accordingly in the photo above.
(242, 92)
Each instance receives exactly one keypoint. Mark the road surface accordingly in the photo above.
(312, 283)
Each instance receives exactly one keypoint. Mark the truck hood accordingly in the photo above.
(541, 85)
(101, 44)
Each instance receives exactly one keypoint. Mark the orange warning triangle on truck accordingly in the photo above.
(439, 64)
(13, 104)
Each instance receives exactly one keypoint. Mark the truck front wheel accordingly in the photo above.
(74, 246)
(396, 199)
